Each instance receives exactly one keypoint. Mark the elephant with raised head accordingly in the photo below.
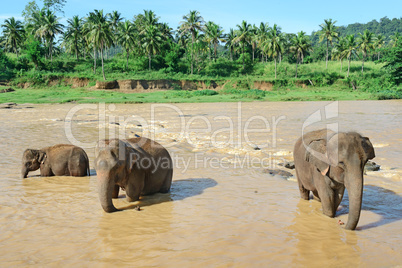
(57, 160)
(140, 166)
(326, 162)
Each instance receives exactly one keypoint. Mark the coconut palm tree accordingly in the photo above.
(262, 36)
(229, 43)
(100, 33)
(350, 50)
(274, 44)
(366, 43)
(49, 29)
(329, 33)
(126, 37)
(73, 35)
(378, 44)
(243, 37)
(152, 40)
(13, 32)
(395, 39)
(300, 45)
(192, 22)
(338, 51)
(214, 34)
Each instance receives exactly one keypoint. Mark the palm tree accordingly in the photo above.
(100, 33)
(49, 29)
(230, 43)
(395, 39)
(274, 46)
(152, 39)
(328, 32)
(74, 34)
(366, 43)
(350, 50)
(214, 34)
(126, 37)
(300, 45)
(192, 22)
(262, 36)
(338, 51)
(13, 32)
(378, 43)
(244, 35)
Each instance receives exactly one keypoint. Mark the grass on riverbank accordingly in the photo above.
(79, 95)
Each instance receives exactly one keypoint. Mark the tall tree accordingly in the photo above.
(55, 5)
(215, 35)
(274, 44)
(338, 51)
(300, 45)
(126, 37)
(378, 44)
(328, 32)
(350, 50)
(395, 39)
(152, 39)
(244, 36)
(29, 10)
(13, 32)
(49, 28)
(229, 42)
(73, 34)
(262, 36)
(366, 43)
(192, 22)
(100, 33)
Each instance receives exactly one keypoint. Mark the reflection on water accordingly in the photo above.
(222, 211)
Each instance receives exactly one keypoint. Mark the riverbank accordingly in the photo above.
(63, 94)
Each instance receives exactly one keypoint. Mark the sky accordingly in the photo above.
(291, 15)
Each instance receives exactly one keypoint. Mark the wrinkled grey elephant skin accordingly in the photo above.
(139, 165)
(326, 162)
(57, 160)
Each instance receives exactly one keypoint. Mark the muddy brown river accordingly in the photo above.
(224, 209)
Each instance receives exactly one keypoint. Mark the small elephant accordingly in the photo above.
(57, 160)
(139, 165)
(326, 162)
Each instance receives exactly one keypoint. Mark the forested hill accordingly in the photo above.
(386, 27)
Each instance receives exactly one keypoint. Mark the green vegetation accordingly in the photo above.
(40, 52)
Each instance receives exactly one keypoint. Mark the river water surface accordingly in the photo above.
(224, 209)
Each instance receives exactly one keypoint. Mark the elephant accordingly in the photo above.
(140, 166)
(57, 160)
(326, 162)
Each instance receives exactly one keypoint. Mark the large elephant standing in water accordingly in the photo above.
(326, 162)
(140, 166)
(57, 160)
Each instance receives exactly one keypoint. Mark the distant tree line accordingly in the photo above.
(192, 45)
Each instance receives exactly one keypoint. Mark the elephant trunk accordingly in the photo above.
(24, 172)
(354, 185)
(105, 190)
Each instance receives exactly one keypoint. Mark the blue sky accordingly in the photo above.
(291, 15)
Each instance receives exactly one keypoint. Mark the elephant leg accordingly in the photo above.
(167, 183)
(46, 171)
(304, 193)
(115, 193)
(327, 197)
(135, 186)
(338, 197)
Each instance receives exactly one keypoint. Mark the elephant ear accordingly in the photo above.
(316, 154)
(131, 157)
(42, 157)
(368, 148)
